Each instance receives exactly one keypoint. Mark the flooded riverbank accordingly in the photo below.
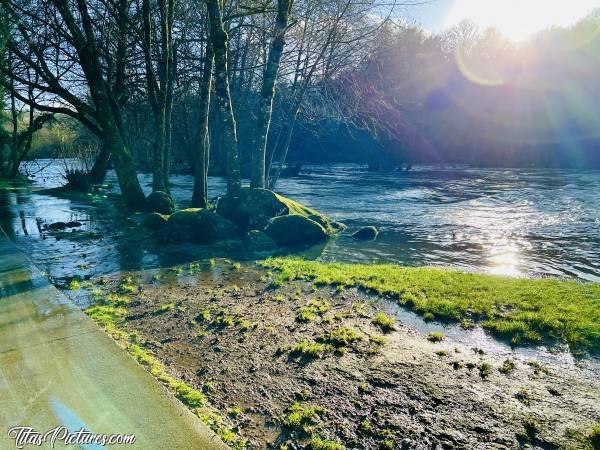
(289, 364)
(214, 320)
(510, 222)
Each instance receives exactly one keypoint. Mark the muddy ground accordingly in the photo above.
(231, 334)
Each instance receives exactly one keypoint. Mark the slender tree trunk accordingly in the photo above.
(283, 146)
(202, 154)
(100, 167)
(159, 150)
(219, 40)
(265, 105)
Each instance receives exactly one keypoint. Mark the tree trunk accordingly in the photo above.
(128, 182)
(100, 167)
(219, 40)
(265, 105)
(159, 150)
(202, 154)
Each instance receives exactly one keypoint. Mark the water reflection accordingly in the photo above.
(509, 222)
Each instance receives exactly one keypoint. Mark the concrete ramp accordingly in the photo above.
(58, 368)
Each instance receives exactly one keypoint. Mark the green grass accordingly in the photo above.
(318, 443)
(384, 321)
(312, 309)
(522, 310)
(302, 418)
(594, 437)
(310, 349)
(435, 336)
(507, 366)
(110, 313)
(341, 337)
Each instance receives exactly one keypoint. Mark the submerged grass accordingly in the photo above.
(522, 310)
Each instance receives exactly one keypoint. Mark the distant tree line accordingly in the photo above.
(471, 96)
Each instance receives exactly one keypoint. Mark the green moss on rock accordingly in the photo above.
(295, 229)
(197, 225)
(154, 221)
(160, 202)
(253, 209)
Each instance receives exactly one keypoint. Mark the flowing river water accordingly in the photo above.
(514, 222)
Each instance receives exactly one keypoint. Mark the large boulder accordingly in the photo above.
(197, 225)
(295, 229)
(259, 241)
(252, 209)
(366, 234)
(160, 202)
(154, 221)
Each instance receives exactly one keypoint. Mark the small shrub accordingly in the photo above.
(594, 437)
(234, 411)
(204, 316)
(165, 308)
(538, 368)
(73, 285)
(223, 320)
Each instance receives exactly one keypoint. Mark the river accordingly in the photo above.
(515, 222)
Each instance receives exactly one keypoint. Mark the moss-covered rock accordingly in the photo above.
(366, 234)
(154, 221)
(295, 229)
(160, 202)
(254, 208)
(197, 225)
(259, 240)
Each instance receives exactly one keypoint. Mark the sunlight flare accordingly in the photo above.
(519, 19)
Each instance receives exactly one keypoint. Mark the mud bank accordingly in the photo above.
(297, 366)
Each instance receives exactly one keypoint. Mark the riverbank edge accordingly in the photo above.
(109, 312)
(516, 309)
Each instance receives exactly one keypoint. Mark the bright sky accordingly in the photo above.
(517, 19)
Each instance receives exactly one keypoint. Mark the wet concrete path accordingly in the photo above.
(57, 368)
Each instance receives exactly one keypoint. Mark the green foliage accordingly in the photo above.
(73, 285)
(341, 337)
(312, 309)
(485, 370)
(523, 309)
(436, 336)
(384, 321)
(165, 308)
(318, 443)
(302, 418)
(531, 426)
(507, 366)
(594, 437)
(523, 396)
(310, 349)
(223, 319)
